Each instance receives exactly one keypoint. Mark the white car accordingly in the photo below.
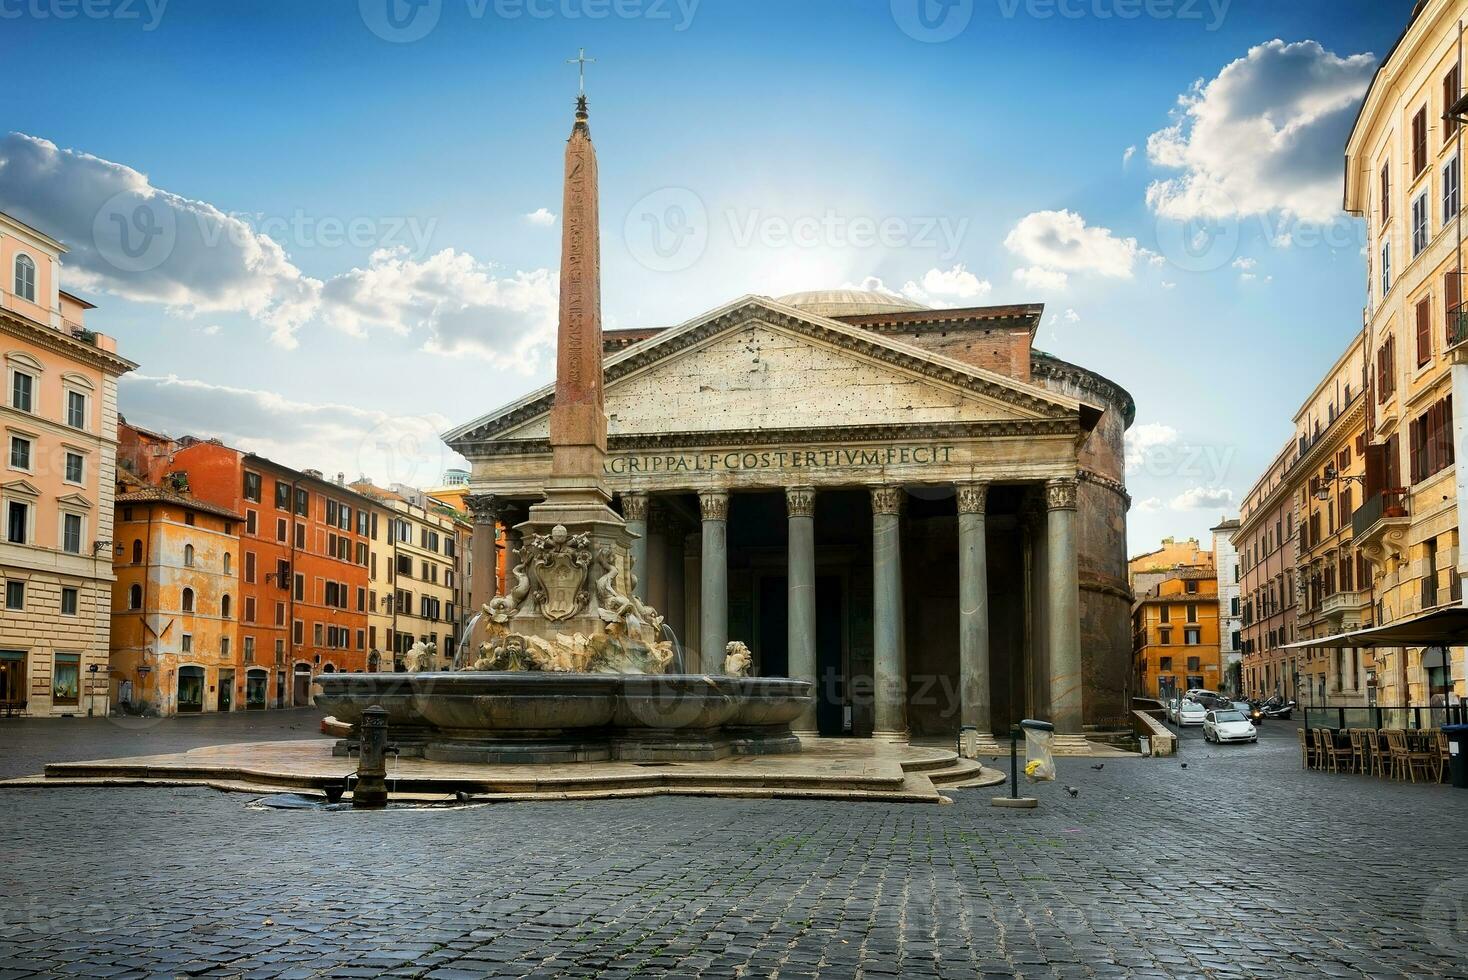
(1191, 713)
(1228, 725)
(1193, 692)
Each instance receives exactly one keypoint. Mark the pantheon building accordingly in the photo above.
(913, 507)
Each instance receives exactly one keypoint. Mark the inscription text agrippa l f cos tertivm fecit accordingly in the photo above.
(624, 464)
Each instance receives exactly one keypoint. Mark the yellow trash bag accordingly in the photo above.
(1039, 745)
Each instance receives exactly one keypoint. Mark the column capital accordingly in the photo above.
(713, 505)
(1060, 494)
(486, 508)
(634, 506)
(887, 500)
(972, 497)
(800, 501)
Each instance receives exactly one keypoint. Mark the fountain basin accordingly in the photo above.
(534, 717)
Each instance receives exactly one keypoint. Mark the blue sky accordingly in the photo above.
(353, 260)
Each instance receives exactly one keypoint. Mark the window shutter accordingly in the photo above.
(1419, 142)
(1451, 298)
(1450, 95)
(1424, 331)
(1386, 192)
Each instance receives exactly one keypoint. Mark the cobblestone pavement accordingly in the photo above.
(1239, 865)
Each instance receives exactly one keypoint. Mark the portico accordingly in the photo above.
(896, 525)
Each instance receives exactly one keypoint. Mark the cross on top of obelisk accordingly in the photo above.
(581, 61)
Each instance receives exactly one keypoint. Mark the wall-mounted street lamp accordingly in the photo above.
(1333, 479)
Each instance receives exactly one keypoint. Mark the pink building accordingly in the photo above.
(59, 415)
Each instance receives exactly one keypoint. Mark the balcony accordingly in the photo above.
(1379, 526)
(1457, 326)
(1344, 609)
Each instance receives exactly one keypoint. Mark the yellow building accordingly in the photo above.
(1404, 177)
(1326, 479)
(1146, 570)
(414, 572)
(1175, 634)
(175, 607)
(59, 415)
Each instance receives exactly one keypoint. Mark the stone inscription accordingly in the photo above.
(777, 459)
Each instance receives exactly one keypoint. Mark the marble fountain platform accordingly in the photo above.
(825, 769)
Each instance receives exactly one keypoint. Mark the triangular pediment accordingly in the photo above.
(75, 500)
(758, 365)
(23, 488)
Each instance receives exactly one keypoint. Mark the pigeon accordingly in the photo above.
(1099, 766)
(462, 796)
(1185, 765)
(1072, 791)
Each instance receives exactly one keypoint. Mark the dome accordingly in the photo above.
(848, 302)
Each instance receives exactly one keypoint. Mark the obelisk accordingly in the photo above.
(578, 421)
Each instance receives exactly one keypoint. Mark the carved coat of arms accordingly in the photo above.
(559, 566)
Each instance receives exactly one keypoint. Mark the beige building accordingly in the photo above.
(59, 415)
(1404, 177)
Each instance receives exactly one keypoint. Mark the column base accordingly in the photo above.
(893, 737)
(1071, 745)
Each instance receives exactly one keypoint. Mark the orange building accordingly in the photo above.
(305, 545)
(1175, 634)
(174, 633)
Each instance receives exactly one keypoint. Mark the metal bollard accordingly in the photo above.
(370, 793)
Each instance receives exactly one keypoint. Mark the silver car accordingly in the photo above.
(1228, 725)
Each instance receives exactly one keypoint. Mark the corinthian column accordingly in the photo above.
(889, 656)
(634, 513)
(1063, 607)
(484, 584)
(801, 636)
(973, 609)
(713, 506)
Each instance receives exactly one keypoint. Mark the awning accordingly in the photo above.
(1442, 628)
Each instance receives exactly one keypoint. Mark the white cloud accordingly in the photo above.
(1142, 439)
(328, 437)
(1244, 264)
(459, 302)
(1202, 498)
(1054, 243)
(1264, 135)
(1148, 506)
(542, 217)
(1044, 280)
(134, 240)
(937, 288)
(1071, 316)
(1127, 155)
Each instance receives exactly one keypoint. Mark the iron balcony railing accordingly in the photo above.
(1388, 503)
(1458, 323)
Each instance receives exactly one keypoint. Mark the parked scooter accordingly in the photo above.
(1277, 707)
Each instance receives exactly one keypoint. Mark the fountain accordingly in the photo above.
(575, 668)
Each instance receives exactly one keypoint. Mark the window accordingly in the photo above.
(252, 486)
(69, 597)
(1451, 82)
(188, 556)
(189, 518)
(303, 502)
(74, 468)
(71, 534)
(249, 566)
(138, 551)
(15, 596)
(251, 522)
(17, 522)
(282, 496)
(22, 391)
(1419, 142)
(1424, 331)
(1164, 636)
(1431, 448)
(1386, 369)
(1420, 224)
(227, 562)
(188, 600)
(1452, 189)
(1386, 192)
(1195, 663)
(1192, 612)
(224, 648)
(1451, 299)
(186, 643)
(249, 649)
(66, 678)
(1386, 268)
(25, 278)
(135, 597)
(1192, 636)
(224, 607)
(76, 410)
(250, 609)
(20, 453)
